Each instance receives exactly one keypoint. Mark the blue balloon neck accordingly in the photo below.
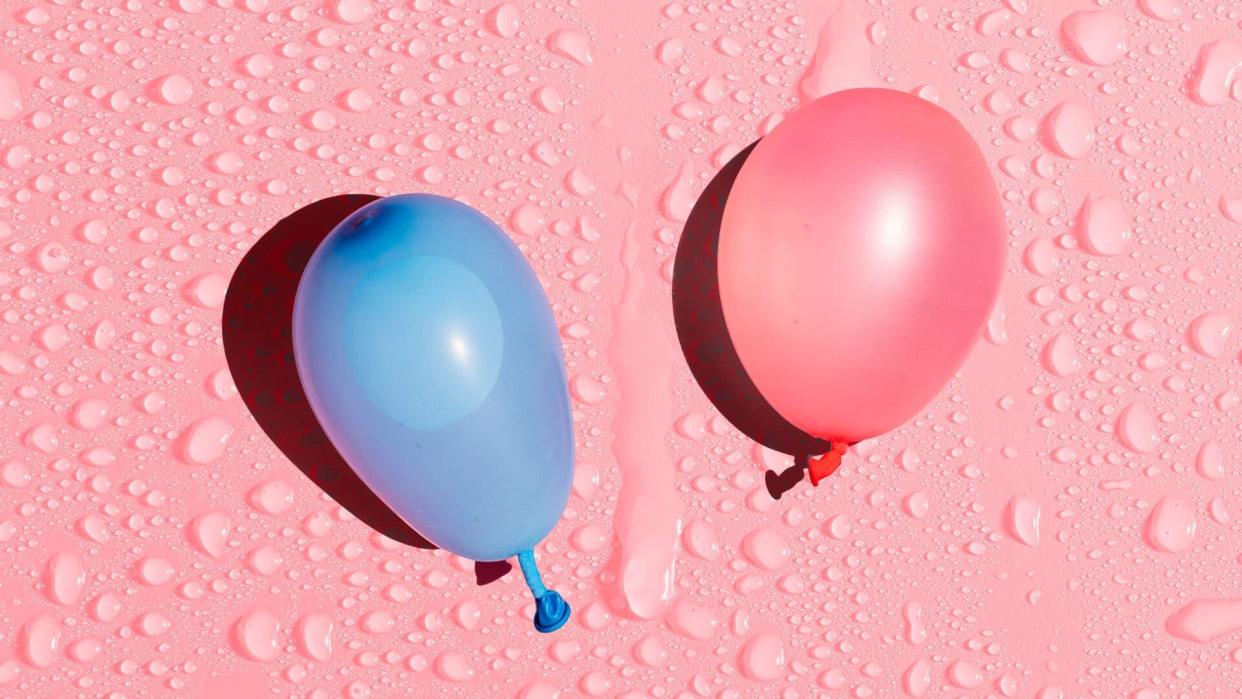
(551, 610)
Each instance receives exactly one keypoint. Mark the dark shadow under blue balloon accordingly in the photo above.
(258, 345)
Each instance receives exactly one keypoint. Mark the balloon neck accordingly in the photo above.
(824, 465)
(551, 610)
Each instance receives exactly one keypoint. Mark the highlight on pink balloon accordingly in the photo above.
(861, 252)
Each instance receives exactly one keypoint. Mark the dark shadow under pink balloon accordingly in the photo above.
(705, 341)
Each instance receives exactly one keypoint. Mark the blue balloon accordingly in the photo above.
(429, 353)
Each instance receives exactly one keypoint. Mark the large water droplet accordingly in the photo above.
(1136, 427)
(210, 533)
(1022, 519)
(1096, 36)
(1205, 620)
(205, 440)
(1060, 357)
(1171, 525)
(763, 657)
(39, 641)
(255, 635)
(917, 678)
(504, 20)
(1210, 462)
(765, 548)
(1071, 129)
(1104, 228)
(66, 576)
(965, 674)
(1217, 72)
(571, 44)
(1209, 334)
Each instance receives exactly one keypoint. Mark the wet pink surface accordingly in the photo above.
(1057, 523)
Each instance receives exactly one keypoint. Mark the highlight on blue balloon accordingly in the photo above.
(429, 353)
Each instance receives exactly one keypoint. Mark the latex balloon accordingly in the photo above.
(861, 251)
(429, 353)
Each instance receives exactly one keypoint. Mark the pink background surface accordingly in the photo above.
(1033, 533)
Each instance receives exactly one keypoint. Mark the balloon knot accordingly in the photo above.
(551, 612)
(824, 465)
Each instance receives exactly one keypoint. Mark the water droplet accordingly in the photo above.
(504, 20)
(1103, 226)
(763, 657)
(842, 56)
(454, 666)
(39, 641)
(1231, 208)
(1022, 520)
(678, 198)
(152, 624)
(571, 44)
(1096, 36)
(258, 65)
(651, 651)
(377, 622)
(85, 650)
(1165, 10)
(1060, 357)
(65, 577)
(700, 540)
(90, 414)
(467, 613)
(1216, 72)
(692, 621)
(589, 538)
(154, 570)
(917, 678)
(173, 89)
(527, 219)
(15, 474)
(313, 633)
(965, 674)
(549, 99)
(916, 632)
(1205, 620)
(1041, 257)
(1071, 129)
(208, 290)
(1137, 428)
(996, 331)
(265, 560)
(205, 440)
(106, 607)
(10, 96)
(917, 504)
(1210, 463)
(1171, 525)
(272, 497)
(587, 389)
(352, 11)
(357, 100)
(765, 548)
(255, 635)
(1209, 334)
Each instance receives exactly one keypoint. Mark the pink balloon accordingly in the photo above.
(861, 251)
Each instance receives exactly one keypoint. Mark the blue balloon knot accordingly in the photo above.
(551, 612)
